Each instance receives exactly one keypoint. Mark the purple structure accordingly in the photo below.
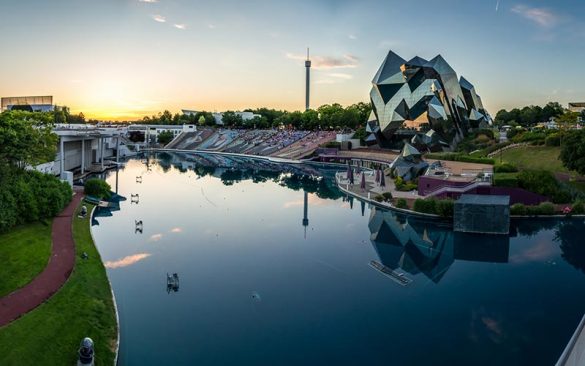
(428, 184)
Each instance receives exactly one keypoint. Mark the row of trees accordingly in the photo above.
(63, 115)
(328, 116)
(531, 115)
(26, 139)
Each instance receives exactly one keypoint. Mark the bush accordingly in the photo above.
(505, 168)
(553, 140)
(401, 203)
(97, 188)
(378, 198)
(506, 180)
(428, 206)
(545, 208)
(460, 157)
(544, 183)
(578, 208)
(518, 209)
(444, 208)
(404, 186)
(387, 196)
(28, 196)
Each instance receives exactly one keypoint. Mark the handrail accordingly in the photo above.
(461, 189)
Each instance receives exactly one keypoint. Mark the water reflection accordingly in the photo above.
(570, 235)
(418, 246)
(249, 278)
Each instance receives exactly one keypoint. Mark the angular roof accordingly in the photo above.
(417, 61)
(409, 150)
(465, 84)
(389, 68)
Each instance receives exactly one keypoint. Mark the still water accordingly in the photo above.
(261, 283)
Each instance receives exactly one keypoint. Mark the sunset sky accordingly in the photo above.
(123, 59)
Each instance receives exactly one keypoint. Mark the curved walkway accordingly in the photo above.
(54, 275)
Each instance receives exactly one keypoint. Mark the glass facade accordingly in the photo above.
(412, 98)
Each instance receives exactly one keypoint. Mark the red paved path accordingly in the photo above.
(56, 273)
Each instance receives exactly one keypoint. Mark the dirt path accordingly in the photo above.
(48, 282)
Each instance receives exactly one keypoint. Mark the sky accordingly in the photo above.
(123, 59)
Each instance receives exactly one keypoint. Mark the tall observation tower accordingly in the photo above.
(308, 86)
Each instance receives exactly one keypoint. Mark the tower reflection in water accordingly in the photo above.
(418, 246)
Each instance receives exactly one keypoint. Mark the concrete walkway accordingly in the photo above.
(56, 273)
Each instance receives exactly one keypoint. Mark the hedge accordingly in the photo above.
(578, 208)
(505, 168)
(401, 203)
(545, 208)
(29, 196)
(506, 180)
(460, 157)
(443, 208)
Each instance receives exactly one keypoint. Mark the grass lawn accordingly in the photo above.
(24, 253)
(50, 334)
(537, 157)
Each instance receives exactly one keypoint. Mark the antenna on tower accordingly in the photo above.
(308, 80)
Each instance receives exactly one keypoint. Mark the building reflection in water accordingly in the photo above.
(418, 246)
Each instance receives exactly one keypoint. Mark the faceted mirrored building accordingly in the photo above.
(423, 103)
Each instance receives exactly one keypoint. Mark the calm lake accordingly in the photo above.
(260, 283)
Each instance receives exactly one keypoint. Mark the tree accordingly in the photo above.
(231, 119)
(97, 188)
(573, 151)
(165, 137)
(26, 138)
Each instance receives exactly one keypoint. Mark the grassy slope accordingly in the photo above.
(24, 253)
(50, 334)
(538, 157)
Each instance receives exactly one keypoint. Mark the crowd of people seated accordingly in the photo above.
(283, 143)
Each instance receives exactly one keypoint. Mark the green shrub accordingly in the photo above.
(428, 206)
(401, 203)
(378, 198)
(545, 208)
(460, 157)
(444, 208)
(28, 196)
(544, 183)
(387, 196)
(578, 208)
(518, 209)
(97, 188)
(505, 168)
(506, 180)
(553, 140)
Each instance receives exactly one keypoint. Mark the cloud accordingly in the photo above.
(211, 26)
(340, 76)
(159, 18)
(328, 62)
(352, 36)
(148, 1)
(543, 17)
(176, 230)
(127, 261)
(180, 26)
(156, 237)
